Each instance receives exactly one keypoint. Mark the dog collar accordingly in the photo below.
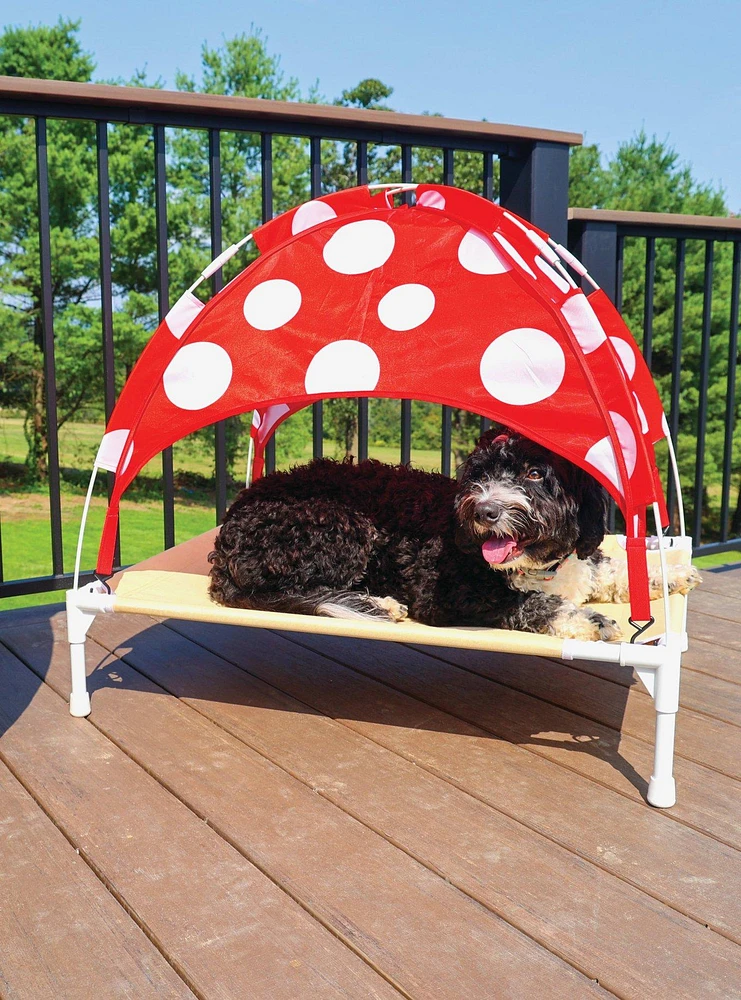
(547, 572)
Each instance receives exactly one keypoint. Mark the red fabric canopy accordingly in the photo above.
(452, 300)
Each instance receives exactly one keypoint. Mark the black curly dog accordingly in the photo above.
(372, 540)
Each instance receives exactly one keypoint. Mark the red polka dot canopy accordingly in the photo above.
(450, 300)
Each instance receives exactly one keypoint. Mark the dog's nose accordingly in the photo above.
(489, 512)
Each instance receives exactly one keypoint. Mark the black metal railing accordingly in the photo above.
(525, 169)
(532, 182)
(690, 349)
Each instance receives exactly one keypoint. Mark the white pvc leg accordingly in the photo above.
(79, 699)
(661, 787)
(662, 790)
(78, 622)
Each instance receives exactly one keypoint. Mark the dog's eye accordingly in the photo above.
(535, 475)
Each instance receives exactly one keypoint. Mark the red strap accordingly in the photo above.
(640, 605)
(108, 542)
(258, 462)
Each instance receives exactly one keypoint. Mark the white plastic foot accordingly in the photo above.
(662, 792)
(79, 704)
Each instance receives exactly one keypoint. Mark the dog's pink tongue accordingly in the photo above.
(498, 550)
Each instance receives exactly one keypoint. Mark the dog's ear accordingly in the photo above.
(494, 432)
(591, 516)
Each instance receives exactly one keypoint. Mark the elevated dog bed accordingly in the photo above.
(449, 299)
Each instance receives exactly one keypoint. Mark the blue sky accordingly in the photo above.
(603, 68)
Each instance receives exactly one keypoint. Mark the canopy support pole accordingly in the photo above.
(81, 535)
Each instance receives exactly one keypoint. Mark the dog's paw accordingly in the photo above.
(683, 579)
(397, 612)
(589, 626)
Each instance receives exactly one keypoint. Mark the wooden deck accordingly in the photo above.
(254, 815)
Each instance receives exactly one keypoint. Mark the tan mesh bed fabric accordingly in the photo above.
(185, 595)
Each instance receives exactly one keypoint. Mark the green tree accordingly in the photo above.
(53, 53)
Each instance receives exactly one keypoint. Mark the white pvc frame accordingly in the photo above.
(658, 667)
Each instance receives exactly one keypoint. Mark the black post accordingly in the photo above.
(596, 246)
(534, 183)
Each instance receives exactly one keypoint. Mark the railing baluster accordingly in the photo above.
(362, 429)
(730, 392)
(163, 303)
(447, 440)
(317, 409)
(47, 346)
(448, 167)
(406, 164)
(266, 187)
(488, 177)
(362, 162)
(671, 492)
(648, 300)
(702, 405)
(406, 431)
(217, 283)
(106, 295)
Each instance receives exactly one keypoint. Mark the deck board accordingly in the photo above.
(494, 770)
(582, 746)
(213, 913)
(62, 934)
(402, 917)
(274, 815)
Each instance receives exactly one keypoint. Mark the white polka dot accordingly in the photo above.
(272, 304)
(626, 355)
(256, 419)
(197, 376)
(641, 414)
(311, 214)
(182, 314)
(359, 247)
(550, 272)
(602, 455)
(270, 418)
(478, 254)
(665, 426)
(514, 254)
(406, 307)
(431, 199)
(343, 366)
(522, 366)
(578, 313)
(111, 447)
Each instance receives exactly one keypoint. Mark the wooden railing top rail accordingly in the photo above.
(139, 104)
(665, 219)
